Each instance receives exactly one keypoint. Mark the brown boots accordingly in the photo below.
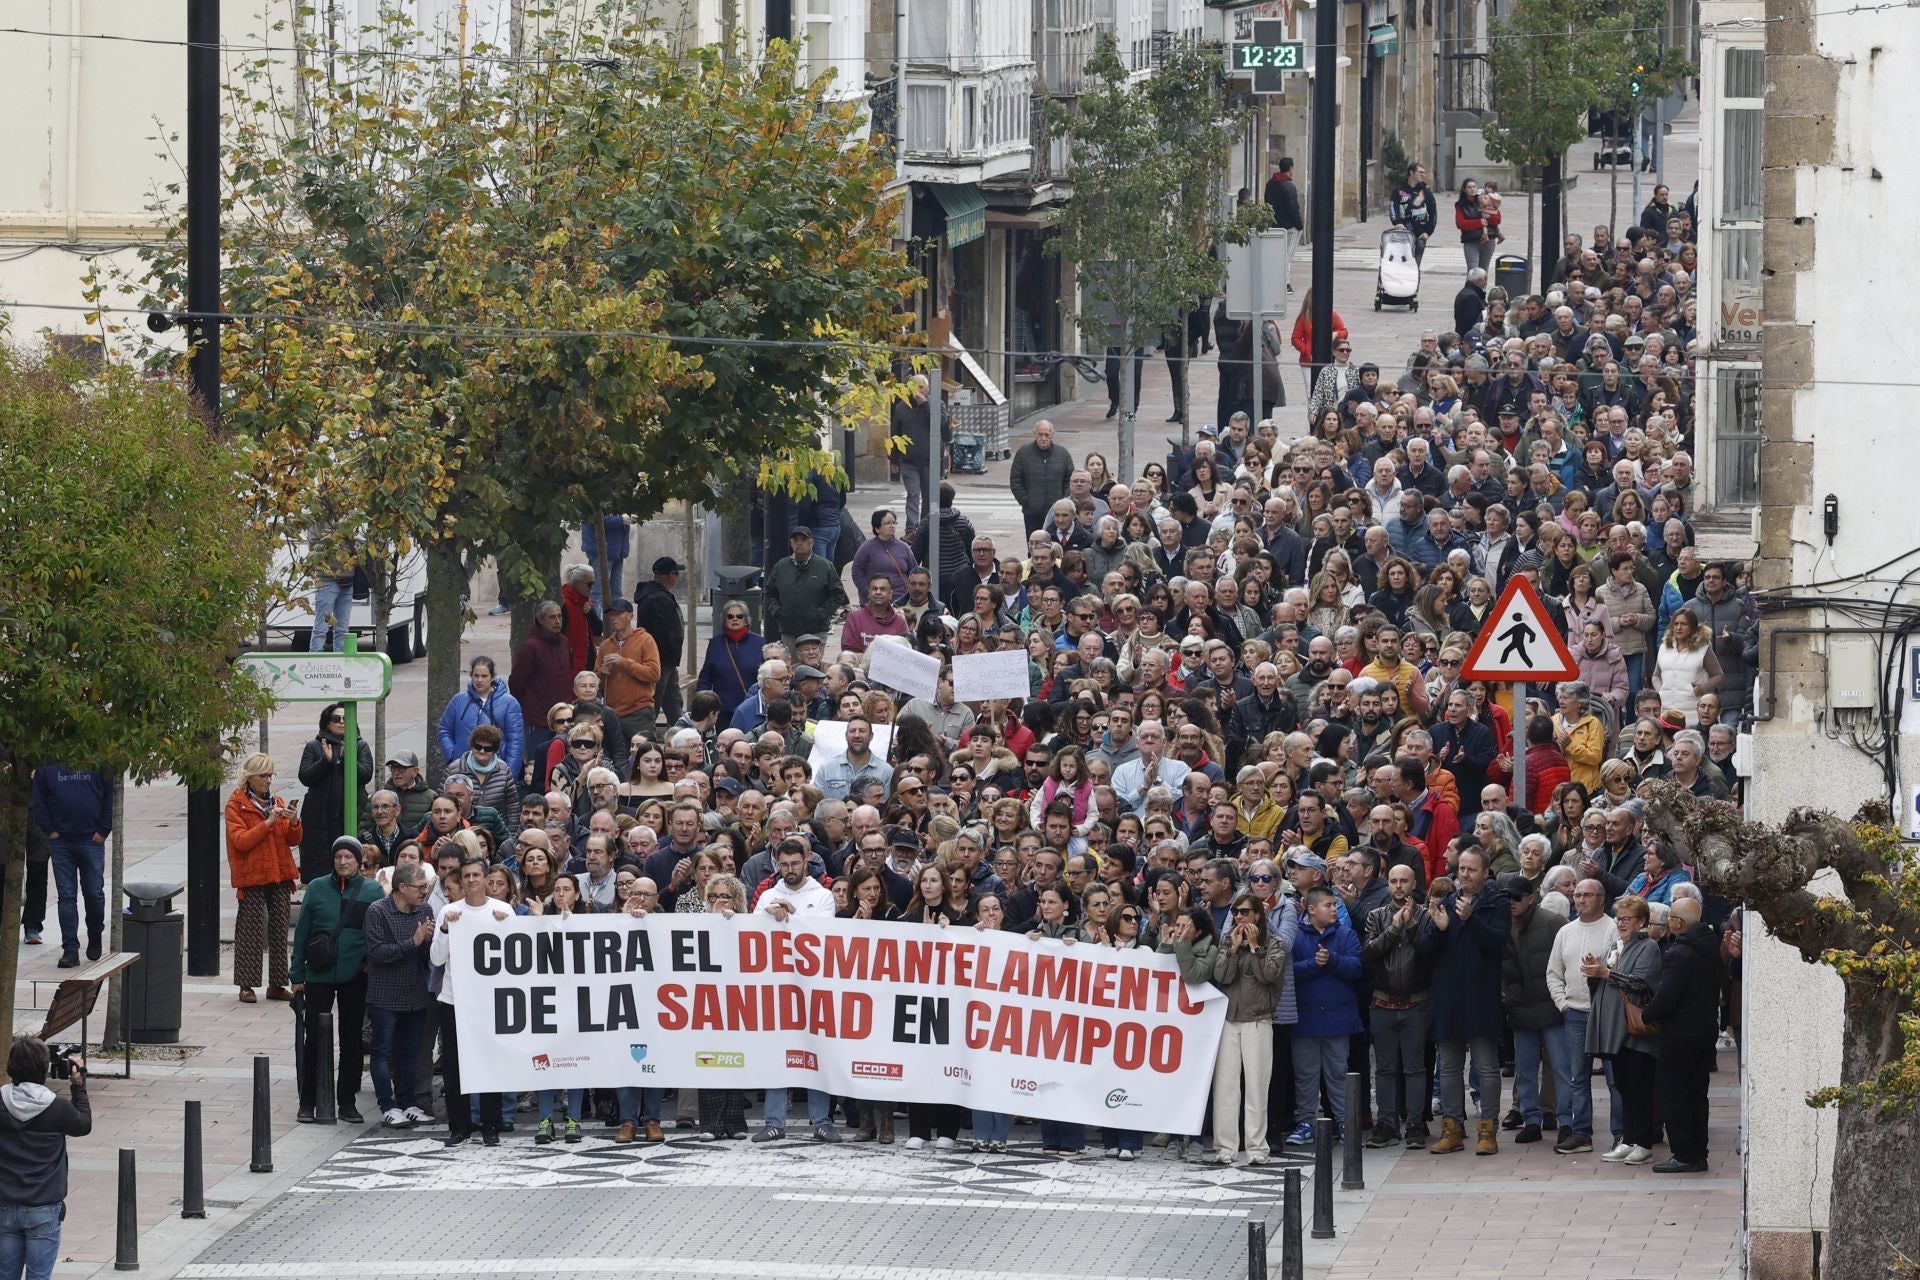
(1489, 1143)
(1453, 1137)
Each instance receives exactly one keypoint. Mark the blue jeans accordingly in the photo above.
(819, 1108)
(1636, 671)
(616, 575)
(639, 1106)
(396, 1043)
(1057, 1135)
(29, 1240)
(1577, 1079)
(576, 1102)
(333, 596)
(79, 866)
(1528, 1046)
(1123, 1139)
(991, 1126)
(1450, 1068)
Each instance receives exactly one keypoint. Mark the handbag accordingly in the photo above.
(1637, 1024)
(323, 949)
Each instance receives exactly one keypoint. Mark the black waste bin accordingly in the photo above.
(154, 929)
(1510, 272)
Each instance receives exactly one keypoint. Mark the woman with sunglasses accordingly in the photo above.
(732, 665)
(1252, 967)
(323, 772)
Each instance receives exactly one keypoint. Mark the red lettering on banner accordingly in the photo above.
(1164, 1050)
(963, 958)
(806, 954)
(753, 951)
(1129, 1046)
(1014, 980)
(919, 964)
(975, 1032)
(846, 955)
(1133, 988)
(1052, 977)
(673, 1016)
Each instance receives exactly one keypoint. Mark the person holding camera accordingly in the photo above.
(35, 1123)
(330, 966)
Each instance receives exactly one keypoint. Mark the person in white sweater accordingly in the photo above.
(1590, 932)
(473, 900)
(794, 892)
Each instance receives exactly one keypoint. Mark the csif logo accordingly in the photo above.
(1116, 1098)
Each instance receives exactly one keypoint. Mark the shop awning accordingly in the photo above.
(1383, 39)
(966, 211)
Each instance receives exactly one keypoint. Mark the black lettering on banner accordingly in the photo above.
(692, 953)
(509, 1011)
(544, 998)
(921, 1019)
(618, 1011)
(486, 954)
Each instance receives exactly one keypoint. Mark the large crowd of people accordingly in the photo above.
(1247, 744)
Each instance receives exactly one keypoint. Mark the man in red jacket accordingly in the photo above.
(1434, 820)
(580, 621)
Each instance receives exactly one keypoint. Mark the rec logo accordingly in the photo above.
(719, 1058)
(803, 1060)
(879, 1070)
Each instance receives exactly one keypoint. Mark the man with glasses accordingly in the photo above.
(399, 933)
(383, 831)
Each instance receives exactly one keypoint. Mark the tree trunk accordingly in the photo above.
(383, 580)
(19, 801)
(1876, 1180)
(116, 920)
(446, 620)
(1613, 184)
(1552, 231)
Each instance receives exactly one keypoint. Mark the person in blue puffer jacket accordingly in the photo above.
(1326, 964)
(483, 701)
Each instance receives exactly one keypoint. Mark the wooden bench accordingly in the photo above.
(74, 999)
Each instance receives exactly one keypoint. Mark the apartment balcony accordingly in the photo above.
(966, 125)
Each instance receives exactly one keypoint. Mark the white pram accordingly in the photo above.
(1399, 280)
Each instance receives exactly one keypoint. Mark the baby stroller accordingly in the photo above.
(1399, 280)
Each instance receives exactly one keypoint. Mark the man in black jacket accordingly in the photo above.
(1471, 302)
(1686, 1007)
(35, 1123)
(1399, 1016)
(656, 611)
(1284, 198)
(1412, 206)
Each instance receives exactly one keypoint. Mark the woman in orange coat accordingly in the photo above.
(1303, 335)
(261, 832)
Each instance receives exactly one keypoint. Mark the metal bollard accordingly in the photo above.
(262, 1161)
(1256, 1251)
(193, 1193)
(1293, 1249)
(1353, 1174)
(126, 1234)
(1323, 1178)
(320, 1053)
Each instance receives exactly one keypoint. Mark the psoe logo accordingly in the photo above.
(879, 1070)
(719, 1058)
(963, 1074)
(541, 1062)
(803, 1060)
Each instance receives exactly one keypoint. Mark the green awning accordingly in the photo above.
(966, 211)
(1383, 39)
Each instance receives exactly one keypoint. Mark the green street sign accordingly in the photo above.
(321, 677)
(1269, 56)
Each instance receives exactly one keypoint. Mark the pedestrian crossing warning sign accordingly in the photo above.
(1517, 642)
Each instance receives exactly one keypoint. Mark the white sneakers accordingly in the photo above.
(944, 1144)
(395, 1119)
(1618, 1154)
(1639, 1155)
(415, 1115)
(916, 1144)
(1127, 1153)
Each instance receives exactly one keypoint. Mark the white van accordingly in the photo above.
(406, 637)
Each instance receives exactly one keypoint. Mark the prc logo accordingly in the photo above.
(803, 1060)
(541, 1062)
(639, 1052)
(879, 1070)
(719, 1058)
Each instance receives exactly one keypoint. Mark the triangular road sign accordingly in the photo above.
(1516, 642)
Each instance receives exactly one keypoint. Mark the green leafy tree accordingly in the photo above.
(1542, 54)
(1146, 166)
(1633, 68)
(128, 575)
(1871, 939)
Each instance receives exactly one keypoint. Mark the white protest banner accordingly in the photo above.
(896, 666)
(979, 677)
(977, 1018)
(830, 740)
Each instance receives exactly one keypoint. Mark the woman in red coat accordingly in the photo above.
(1303, 335)
(1479, 225)
(261, 832)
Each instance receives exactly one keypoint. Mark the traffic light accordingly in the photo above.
(1633, 85)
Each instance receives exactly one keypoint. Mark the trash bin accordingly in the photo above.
(153, 928)
(1510, 272)
(739, 582)
(969, 453)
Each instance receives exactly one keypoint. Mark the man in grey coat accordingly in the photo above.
(1039, 475)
